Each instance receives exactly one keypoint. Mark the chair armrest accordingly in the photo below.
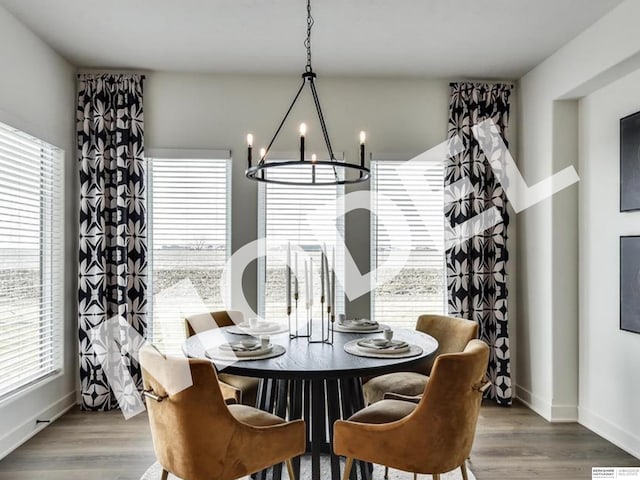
(399, 396)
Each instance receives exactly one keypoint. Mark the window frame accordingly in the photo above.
(184, 154)
(51, 253)
(373, 236)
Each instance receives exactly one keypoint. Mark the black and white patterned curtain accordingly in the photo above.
(112, 290)
(476, 267)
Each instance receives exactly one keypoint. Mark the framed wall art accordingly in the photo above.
(630, 283)
(630, 162)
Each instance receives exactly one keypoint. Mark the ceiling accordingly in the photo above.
(437, 38)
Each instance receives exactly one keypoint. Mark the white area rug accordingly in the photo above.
(154, 472)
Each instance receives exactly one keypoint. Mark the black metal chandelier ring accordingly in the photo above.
(256, 172)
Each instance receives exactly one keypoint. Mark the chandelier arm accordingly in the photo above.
(323, 125)
(273, 139)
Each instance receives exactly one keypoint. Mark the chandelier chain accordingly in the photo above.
(307, 42)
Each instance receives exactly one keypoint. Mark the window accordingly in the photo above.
(284, 217)
(31, 253)
(189, 239)
(419, 287)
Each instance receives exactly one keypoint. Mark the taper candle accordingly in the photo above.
(250, 148)
(303, 131)
(322, 274)
(288, 275)
(295, 291)
(311, 282)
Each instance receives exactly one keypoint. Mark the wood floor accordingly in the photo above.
(511, 444)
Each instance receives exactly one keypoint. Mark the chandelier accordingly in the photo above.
(307, 170)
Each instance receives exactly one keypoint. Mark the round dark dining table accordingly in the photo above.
(317, 382)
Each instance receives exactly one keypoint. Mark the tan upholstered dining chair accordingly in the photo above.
(433, 436)
(452, 335)
(197, 436)
(235, 388)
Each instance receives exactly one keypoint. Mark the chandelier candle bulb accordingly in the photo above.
(303, 132)
(363, 137)
(249, 148)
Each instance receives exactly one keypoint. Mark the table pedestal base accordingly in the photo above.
(320, 402)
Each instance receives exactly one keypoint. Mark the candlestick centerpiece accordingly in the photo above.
(327, 297)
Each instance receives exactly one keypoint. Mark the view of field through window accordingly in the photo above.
(30, 259)
(416, 194)
(189, 242)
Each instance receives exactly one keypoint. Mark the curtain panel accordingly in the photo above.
(476, 267)
(112, 280)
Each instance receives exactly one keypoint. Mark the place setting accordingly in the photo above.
(249, 348)
(382, 347)
(257, 327)
(356, 325)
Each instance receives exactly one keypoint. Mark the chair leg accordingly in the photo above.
(164, 475)
(463, 469)
(347, 468)
(386, 473)
(292, 475)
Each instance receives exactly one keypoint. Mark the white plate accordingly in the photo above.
(230, 357)
(263, 328)
(370, 345)
(353, 349)
(361, 325)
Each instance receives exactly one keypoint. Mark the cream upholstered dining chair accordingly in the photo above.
(235, 388)
(433, 436)
(452, 334)
(197, 436)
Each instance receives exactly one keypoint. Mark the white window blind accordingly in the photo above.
(419, 288)
(283, 217)
(31, 253)
(189, 225)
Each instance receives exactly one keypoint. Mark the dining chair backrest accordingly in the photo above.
(444, 422)
(190, 425)
(196, 436)
(201, 322)
(452, 333)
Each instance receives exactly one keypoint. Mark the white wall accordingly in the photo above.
(609, 357)
(547, 317)
(37, 95)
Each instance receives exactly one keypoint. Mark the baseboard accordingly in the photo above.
(551, 413)
(23, 432)
(564, 414)
(626, 440)
(534, 402)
